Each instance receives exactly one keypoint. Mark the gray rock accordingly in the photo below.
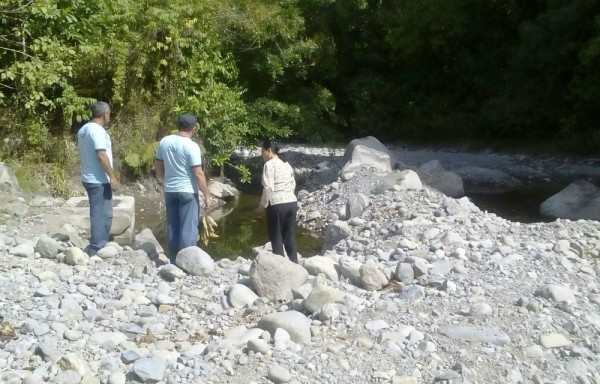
(376, 325)
(195, 261)
(321, 265)
(554, 340)
(100, 338)
(295, 323)
(48, 352)
(357, 203)
(117, 378)
(240, 336)
(8, 179)
(47, 247)
(349, 268)
(14, 206)
(365, 157)
(405, 273)
(335, 232)
(259, 345)
(131, 355)
(67, 377)
(556, 293)
(70, 309)
(404, 180)
(149, 370)
(371, 277)
(240, 296)
(22, 250)
(108, 252)
(274, 276)
(278, 374)
(223, 191)
(75, 256)
(412, 292)
(74, 362)
(321, 295)
(579, 200)
(482, 334)
(171, 272)
(449, 183)
(368, 142)
(145, 240)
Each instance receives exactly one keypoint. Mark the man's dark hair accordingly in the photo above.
(99, 108)
(186, 122)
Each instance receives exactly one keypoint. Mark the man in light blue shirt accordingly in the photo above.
(97, 175)
(178, 161)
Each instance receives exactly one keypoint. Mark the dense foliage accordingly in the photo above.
(501, 71)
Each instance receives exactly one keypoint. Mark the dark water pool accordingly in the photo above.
(521, 205)
(239, 231)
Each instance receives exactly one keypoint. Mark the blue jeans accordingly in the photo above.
(101, 214)
(183, 210)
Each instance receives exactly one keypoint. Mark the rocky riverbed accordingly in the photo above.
(412, 286)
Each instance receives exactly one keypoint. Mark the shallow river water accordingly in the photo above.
(239, 231)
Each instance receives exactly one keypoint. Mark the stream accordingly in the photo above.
(239, 228)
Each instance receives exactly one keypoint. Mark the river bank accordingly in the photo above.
(412, 287)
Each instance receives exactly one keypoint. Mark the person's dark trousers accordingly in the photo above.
(101, 214)
(183, 210)
(281, 225)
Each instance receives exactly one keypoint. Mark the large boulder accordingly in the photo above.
(8, 179)
(368, 142)
(365, 156)
(146, 241)
(274, 276)
(195, 261)
(222, 191)
(335, 232)
(295, 323)
(403, 180)
(580, 200)
(449, 183)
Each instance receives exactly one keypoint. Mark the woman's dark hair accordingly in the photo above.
(274, 146)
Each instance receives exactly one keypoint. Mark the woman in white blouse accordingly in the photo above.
(279, 200)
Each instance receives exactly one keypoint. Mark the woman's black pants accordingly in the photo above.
(281, 225)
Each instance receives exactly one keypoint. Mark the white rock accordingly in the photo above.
(295, 323)
(556, 293)
(22, 250)
(274, 276)
(371, 277)
(554, 340)
(75, 256)
(240, 296)
(149, 370)
(107, 252)
(195, 261)
(278, 374)
(319, 264)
